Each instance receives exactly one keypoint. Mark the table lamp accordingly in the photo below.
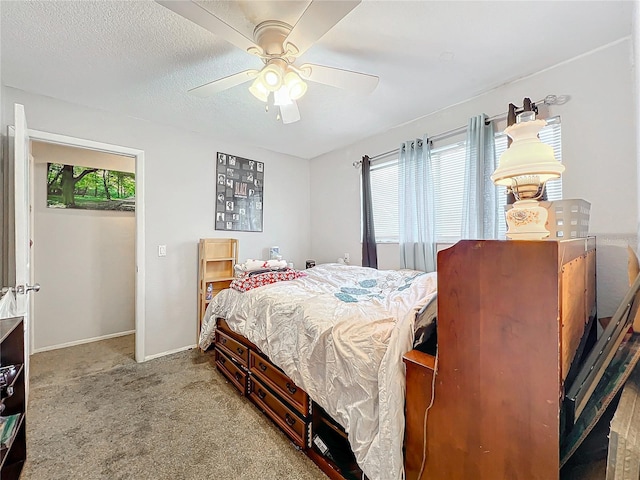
(524, 168)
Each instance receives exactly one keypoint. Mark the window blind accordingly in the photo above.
(384, 196)
(448, 164)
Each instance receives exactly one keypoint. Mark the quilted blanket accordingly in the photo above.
(339, 333)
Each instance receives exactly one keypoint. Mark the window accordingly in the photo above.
(384, 196)
(448, 170)
(448, 166)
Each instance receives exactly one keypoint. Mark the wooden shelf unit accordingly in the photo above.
(217, 258)
(14, 453)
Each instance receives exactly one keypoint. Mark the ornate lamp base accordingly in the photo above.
(527, 221)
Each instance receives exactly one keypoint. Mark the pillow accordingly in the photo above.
(251, 265)
(426, 322)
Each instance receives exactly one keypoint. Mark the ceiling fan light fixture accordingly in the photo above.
(278, 45)
(259, 90)
(282, 97)
(295, 85)
(272, 76)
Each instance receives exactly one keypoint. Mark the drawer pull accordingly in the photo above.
(290, 420)
(261, 394)
(238, 376)
(262, 366)
(223, 340)
(240, 351)
(222, 360)
(292, 389)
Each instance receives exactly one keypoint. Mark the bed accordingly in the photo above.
(339, 333)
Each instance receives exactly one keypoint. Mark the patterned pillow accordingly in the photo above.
(248, 282)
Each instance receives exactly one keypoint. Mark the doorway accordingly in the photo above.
(87, 236)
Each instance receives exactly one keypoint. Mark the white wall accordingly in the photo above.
(179, 192)
(85, 259)
(598, 150)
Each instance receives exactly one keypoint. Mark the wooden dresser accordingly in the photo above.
(280, 399)
(511, 316)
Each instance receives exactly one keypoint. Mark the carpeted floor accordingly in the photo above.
(96, 414)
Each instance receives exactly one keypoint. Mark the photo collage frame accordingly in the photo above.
(239, 193)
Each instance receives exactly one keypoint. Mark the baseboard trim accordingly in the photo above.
(169, 352)
(80, 342)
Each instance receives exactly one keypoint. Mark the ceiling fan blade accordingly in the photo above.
(200, 15)
(336, 77)
(289, 113)
(319, 17)
(221, 84)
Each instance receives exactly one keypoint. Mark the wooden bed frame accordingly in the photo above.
(511, 315)
(285, 403)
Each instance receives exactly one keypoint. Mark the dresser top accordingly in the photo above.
(7, 325)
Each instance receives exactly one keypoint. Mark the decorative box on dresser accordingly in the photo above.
(511, 316)
(286, 404)
(13, 452)
(217, 258)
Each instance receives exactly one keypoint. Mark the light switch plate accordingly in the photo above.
(162, 250)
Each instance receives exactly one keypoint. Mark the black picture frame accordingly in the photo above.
(239, 194)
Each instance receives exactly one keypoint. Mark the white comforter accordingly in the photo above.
(339, 333)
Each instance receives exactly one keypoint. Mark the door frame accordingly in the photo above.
(138, 155)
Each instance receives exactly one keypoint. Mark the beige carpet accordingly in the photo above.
(96, 414)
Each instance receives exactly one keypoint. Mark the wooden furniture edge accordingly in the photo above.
(479, 288)
(420, 358)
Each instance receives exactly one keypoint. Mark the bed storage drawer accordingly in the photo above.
(222, 325)
(290, 422)
(236, 375)
(279, 382)
(233, 348)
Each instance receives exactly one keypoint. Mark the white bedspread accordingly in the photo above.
(339, 333)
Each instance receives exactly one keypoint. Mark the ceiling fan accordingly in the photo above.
(278, 45)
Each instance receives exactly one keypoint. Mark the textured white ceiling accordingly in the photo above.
(138, 58)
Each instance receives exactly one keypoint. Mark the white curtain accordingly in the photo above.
(480, 209)
(416, 202)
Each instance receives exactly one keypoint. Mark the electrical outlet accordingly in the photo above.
(162, 250)
(346, 257)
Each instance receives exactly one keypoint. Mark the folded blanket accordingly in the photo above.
(264, 270)
(248, 281)
(250, 265)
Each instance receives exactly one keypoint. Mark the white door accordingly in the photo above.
(23, 222)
